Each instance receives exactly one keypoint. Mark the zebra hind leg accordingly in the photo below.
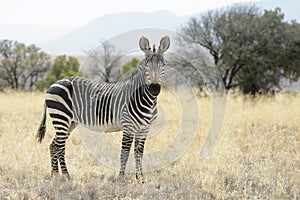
(57, 152)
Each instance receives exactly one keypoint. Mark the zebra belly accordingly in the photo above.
(105, 128)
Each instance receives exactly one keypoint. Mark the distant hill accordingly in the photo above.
(31, 34)
(104, 27)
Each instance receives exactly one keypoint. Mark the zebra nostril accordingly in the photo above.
(154, 89)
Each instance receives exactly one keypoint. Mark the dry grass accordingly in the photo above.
(257, 156)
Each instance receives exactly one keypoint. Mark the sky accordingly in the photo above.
(72, 14)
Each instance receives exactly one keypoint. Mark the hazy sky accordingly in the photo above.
(74, 13)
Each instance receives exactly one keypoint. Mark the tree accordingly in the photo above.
(62, 67)
(20, 65)
(133, 63)
(103, 63)
(253, 51)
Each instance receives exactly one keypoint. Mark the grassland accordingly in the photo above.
(256, 157)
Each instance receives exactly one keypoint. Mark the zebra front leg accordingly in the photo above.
(138, 154)
(126, 144)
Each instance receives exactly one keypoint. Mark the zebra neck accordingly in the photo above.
(152, 99)
(146, 93)
(139, 86)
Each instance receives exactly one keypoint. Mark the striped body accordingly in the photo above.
(101, 106)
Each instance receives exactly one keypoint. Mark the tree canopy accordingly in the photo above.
(253, 50)
(133, 63)
(20, 65)
(63, 66)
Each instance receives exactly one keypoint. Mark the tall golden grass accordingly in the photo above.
(256, 157)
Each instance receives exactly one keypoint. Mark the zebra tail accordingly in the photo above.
(42, 129)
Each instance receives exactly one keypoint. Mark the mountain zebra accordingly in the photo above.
(128, 105)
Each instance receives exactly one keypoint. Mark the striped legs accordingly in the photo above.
(138, 155)
(126, 144)
(57, 153)
(54, 158)
(57, 149)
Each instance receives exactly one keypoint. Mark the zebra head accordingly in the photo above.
(154, 63)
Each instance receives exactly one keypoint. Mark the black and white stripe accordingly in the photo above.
(128, 105)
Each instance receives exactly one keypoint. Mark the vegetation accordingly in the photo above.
(21, 66)
(130, 65)
(254, 51)
(62, 67)
(257, 156)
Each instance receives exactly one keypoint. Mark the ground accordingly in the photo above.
(257, 155)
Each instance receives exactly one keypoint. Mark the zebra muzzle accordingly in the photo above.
(154, 89)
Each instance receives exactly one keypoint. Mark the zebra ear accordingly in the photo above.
(144, 44)
(164, 44)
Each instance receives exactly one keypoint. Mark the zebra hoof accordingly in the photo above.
(140, 178)
(142, 181)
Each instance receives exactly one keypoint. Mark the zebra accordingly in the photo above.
(129, 105)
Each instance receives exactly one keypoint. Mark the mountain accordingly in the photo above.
(30, 34)
(86, 37)
(104, 27)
